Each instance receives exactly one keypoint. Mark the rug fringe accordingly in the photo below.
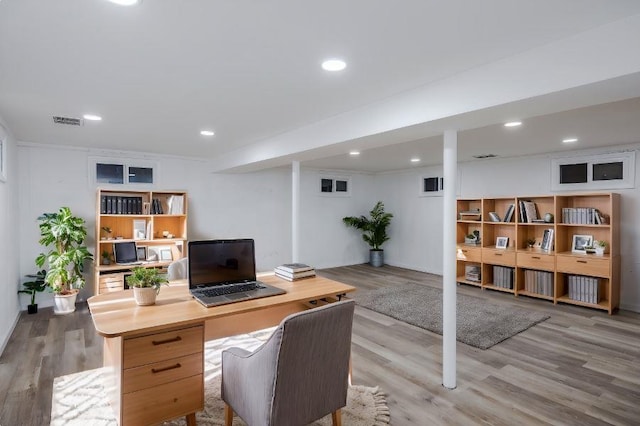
(383, 415)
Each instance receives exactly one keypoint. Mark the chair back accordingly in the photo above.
(313, 364)
(178, 270)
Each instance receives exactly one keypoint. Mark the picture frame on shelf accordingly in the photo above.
(579, 242)
(139, 229)
(547, 240)
(502, 242)
(154, 253)
(165, 254)
(142, 253)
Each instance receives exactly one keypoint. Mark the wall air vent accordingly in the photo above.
(67, 120)
(485, 156)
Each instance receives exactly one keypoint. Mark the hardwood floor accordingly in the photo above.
(579, 367)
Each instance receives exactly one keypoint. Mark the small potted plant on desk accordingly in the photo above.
(146, 283)
(32, 287)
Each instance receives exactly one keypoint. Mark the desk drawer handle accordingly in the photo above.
(162, 342)
(535, 257)
(498, 254)
(171, 367)
(581, 261)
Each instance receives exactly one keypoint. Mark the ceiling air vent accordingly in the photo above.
(485, 156)
(68, 121)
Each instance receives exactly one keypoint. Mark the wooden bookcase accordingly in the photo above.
(534, 271)
(162, 219)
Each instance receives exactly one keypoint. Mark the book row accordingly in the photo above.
(503, 277)
(539, 282)
(583, 288)
(111, 204)
(582, 216)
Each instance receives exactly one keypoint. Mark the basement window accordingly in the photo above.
(336, 186)
(105, 171)
(431, 186)
(600, 172)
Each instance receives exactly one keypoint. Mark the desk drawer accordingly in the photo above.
(161, 372)
(167, 401)
(583, 265)
(544, 262)
(499, 257)
(162, 346)
(469, 254)
(111, 282)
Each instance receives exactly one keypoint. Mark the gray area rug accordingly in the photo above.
(79, 399)
(478, 323)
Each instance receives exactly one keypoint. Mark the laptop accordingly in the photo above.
(224, 271)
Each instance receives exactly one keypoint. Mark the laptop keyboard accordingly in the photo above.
(230, 289)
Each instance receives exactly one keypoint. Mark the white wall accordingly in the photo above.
(9, 240)
(416, 229)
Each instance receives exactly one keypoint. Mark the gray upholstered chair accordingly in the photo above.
(300, 374)
(178, 269)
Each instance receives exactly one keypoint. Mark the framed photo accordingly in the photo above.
(142, 253)
(547, 240)
(580, 242)
(139, 229)
(165, 254)
(502, 242)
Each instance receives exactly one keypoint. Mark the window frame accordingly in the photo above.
(126, 164)
(334, 179)
(627, 158)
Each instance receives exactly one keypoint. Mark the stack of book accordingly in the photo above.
(294, 271)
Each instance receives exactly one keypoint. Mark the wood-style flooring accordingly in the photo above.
(579, 367)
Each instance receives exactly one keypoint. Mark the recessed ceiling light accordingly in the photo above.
(354, 153)
(569, 140)
(415, 160)
(207, 133)
(513, 124)
(92, 117)
(334, 65)
(126, 2)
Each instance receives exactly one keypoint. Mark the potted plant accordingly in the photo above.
(106, 257)
(600, 246)
(32, 287)
(63, 233)
(374, 231)
(473, 238)
(146, 283)
(531, 242)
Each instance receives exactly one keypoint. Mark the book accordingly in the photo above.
(508, 215)
(295, 267)
(494, 217)
(293, 277)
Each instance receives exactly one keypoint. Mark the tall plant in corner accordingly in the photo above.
(63, 233)
(374, 231)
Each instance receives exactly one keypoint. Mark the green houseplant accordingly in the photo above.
(374, 231)
(32, 287)
(146, 284)
(63, 233)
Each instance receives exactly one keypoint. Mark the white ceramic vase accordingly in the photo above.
(64, 303)
(145, 296)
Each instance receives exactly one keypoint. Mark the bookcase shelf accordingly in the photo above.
(541, 273)
(156, 213)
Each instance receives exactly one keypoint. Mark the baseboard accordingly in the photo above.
(412, 267)
(6, 338)
(630, 307)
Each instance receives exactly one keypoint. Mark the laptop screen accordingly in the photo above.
(125, 252)
(216, 262)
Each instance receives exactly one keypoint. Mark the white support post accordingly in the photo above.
(449, 159)
(295, 211)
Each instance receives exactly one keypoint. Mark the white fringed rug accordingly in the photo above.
(79, 399)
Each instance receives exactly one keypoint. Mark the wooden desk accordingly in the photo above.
(156, 353)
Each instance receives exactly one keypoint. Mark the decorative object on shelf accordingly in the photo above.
(502, 242)
(141, 253)
(374, 231)
(146, 284)
(548, 218)
(580, 242)
(474, 215)
(139, 229)
(106, 233)
(64, 234)
(600, 247)
(531, 242)
(106, 257)
(473, 239)
(32, 287)
(547, 240)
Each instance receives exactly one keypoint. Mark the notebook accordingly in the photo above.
(224, 271)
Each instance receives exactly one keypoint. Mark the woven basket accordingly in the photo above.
(145, 296)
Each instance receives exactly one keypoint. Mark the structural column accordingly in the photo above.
(449, 160)
(295, 211)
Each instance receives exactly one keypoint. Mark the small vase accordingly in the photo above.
(145, 296)
(599, 251)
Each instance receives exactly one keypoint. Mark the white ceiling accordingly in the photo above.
(160, 72)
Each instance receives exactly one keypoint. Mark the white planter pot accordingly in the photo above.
(145, 296)
(599, 251)
(64, 303)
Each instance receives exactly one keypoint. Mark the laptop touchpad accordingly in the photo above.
(236, 296)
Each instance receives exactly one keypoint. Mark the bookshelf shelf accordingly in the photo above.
(131, 215)
(548, 272)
